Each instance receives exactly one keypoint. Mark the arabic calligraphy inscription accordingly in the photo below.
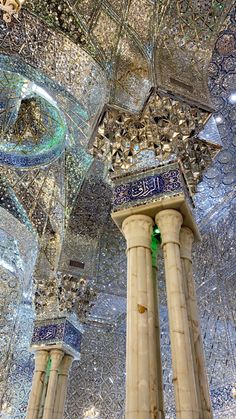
(148, 187)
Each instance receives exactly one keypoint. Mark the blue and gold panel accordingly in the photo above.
(151, 185)
(58, 332)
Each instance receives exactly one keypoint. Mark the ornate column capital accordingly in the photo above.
(137, 230)
(56, 357)
(10, 8)
(186, 242)
(66, 364)
(41, 358)
(169, 221)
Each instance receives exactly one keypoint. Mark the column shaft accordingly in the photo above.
(56, 357)
(62, 384)
(141, 359)
(204, 401)
(169, 222)
(143, 338)
(41, 358)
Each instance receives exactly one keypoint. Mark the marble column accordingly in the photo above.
(56, 358)
(62, 384)
(204, 401)
(141, 359)
(169, 222)
(41, 359)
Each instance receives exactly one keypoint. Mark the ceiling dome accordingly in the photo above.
(33, 130)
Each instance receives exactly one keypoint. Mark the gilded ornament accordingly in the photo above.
(10, 9)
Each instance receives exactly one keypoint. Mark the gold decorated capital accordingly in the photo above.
(66, 364)
(41, 359)
(137, 230)
(56, 357)
(169, 222)
(10, 8)
(186, 242)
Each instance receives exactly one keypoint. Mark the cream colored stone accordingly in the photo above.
(56, 358)
(141, 347)
(204, 401)
(169, 222)
(41, 359)
(62, 384)
(151, 209)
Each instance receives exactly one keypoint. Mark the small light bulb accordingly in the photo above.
(218, 119)
(234, 392)
(232, 98)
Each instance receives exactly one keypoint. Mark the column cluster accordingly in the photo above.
(144, 399)
(61, 305)
(49, 386)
